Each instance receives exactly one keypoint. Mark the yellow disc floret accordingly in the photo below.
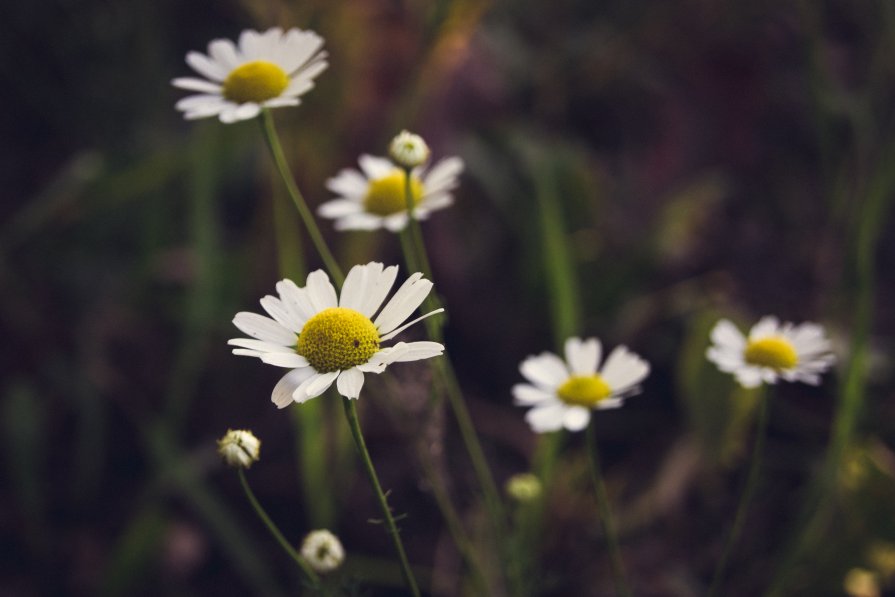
(773, 352)
(337, 339)
(584, 390)
(255, 81)
(386, 195)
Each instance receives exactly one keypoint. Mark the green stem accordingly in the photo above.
(416, 231)
(391, 528)
(276, 151)
(615, 556)
(306, 568)
(751, 483)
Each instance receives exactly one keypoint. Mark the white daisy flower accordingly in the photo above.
(323, 551)
(375, 196)
(267, 70)
(325, 339)
(562, 393)
(772, 351)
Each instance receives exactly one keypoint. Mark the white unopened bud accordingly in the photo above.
(239, 448)
(409, 150)
(323, 551)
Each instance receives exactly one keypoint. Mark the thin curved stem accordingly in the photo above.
(272, 527)
(391, 528)
(748, 491)
(416, 232)
(276, 151)
(615, 555)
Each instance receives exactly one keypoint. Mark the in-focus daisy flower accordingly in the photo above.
(323, 338)
(374, 197)
(408, 150)
(267, 70)
(323, 551)
(562, 393)
(770, 352)
(239, 448)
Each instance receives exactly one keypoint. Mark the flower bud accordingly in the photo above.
(523, 487)
(323, 551)
(239, 448)
(409, 150)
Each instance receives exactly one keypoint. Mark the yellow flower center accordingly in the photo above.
(386, 195)
(584, 390)
(337, 339)
(255, 81)
(773, 352)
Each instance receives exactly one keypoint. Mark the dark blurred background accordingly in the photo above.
(635, 170)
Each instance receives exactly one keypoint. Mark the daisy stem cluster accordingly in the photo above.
(615, 556)
(746, 497)
(272, 527)
(391, 527)
(276, 151)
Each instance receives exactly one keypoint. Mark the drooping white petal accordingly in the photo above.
(314, 386)
(397, 331)
(290, 360)
(545, 370)
(583, 356)
(350, 382)
(417, 351)
(282, 392)
(543, 419)
(263, 328)
(576, 418)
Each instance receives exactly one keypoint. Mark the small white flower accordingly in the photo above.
(267, 70)
(376, 197)
(409, 150)
(772, 351)
(562, 393)
(324, 339)
(323, 551)
(239, 448)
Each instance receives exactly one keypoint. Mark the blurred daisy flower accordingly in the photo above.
(562, 393)
(323, 551)
(324, 339)
(770, 352)
(267, 70)
(374, 197)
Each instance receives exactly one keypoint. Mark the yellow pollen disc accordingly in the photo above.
(337, 339)
(255, 82)
(584, 390)
(385, 196)
(773, 352)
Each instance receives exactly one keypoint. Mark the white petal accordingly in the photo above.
(298, 47)
(583, 356)
(607, 403)
(431, 203)
(350, 383)
(749, 377)
(348, 183)
(356, 285)
(283, 359)
(206, 67)
(296, 300)
(314, 386)
(726, 334)
(282, 314)
(247, 111)
(397, 331)
(361, 221)
(624, 369)
(282, 392)
(410, 296)
(547, 418)
(526, 395)
(193, 102)
(576, 418)
(443, 175)
(726, 361)
(281, 102)
(258, 345)
(766, 326)
(338, 208)
(376, 167)
(321, 291)
(196, 85)
(546, 370)
(417, 351)
(224, 52)
(251, 45)
(396, 222)
(378, 289)
(263, 328)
